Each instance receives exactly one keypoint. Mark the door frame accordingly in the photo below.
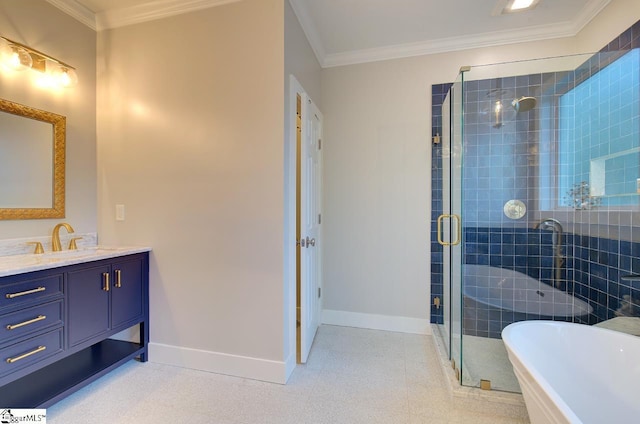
(290, 197)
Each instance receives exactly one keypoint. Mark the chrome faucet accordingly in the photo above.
(55, 238)
(558, 258)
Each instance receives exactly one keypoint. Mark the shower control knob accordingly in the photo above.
(515, 209)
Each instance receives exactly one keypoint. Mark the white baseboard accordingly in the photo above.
(220, 363)
(290, 364)
(376, 322)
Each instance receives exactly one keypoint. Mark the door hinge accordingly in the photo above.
(319, 144)
(319, 292)
(319, 218)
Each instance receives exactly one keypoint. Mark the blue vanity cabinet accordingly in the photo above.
(87, 303)
(127, 292)
(45, 360)
(104, 297)
(31, 320)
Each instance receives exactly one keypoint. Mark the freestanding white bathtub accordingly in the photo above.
(574, 373)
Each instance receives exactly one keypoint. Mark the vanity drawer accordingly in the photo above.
(25, 291)
(30, 320)
(30, 351)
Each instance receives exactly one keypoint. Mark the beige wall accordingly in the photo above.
(615, 18)
(190, 140)
(299, 59)
(45, 28)
(377, 179)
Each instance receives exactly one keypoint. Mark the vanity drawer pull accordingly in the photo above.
(118, 278)
(24, 293)
(26, 355)
(22, 324)
(105, 281)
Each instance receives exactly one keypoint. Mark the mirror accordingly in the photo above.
(32, 162)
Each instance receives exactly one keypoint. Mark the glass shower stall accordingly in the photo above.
(540, 195)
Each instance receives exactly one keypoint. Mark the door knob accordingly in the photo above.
(306, 242)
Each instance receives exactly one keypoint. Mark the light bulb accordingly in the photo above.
(521, 4)
(60, 75)
(67, 77)
(14, 57)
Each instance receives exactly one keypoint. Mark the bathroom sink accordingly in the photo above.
(78, 253)
(16, 264)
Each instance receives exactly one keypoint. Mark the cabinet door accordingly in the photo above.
(88, 303)
(127, 294)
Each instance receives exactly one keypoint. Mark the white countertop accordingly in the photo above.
(20, 264)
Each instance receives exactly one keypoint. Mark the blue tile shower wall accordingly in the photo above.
(600, 124)
(594, 272)
(498, 154)
(526, 250)
(599, 267)
(438, 94)
(595, 266)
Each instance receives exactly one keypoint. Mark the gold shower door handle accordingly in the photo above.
(458, 229)
(439, 226)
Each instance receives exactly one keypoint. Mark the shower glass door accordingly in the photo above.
(526, 145)
(446, 205)
(540, 167)
(450, 222)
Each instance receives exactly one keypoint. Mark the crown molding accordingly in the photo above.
(134, 14)
(77, 11)
(152, 11)
(450, 44)
(593, 8)
(443, 45)
(164, 8)
(309, 28)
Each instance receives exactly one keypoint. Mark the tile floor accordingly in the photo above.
(487, 359)
(352, 376)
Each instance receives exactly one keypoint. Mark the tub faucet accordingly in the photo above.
(558, 259)
(55, 238)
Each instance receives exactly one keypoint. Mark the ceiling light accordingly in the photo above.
(504, 7)
(521, 4)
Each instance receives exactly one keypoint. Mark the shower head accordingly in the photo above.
(524, 104)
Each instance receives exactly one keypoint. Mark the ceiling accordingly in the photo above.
(356, 31)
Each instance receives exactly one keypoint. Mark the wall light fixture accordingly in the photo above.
(16, 56)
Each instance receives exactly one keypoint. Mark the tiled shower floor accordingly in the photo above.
(485, 358)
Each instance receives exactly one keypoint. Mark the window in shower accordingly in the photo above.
(599, 136)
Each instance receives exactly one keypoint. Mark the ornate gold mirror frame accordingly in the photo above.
(59, 124)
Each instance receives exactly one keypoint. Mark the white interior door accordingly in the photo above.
(310, 222)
